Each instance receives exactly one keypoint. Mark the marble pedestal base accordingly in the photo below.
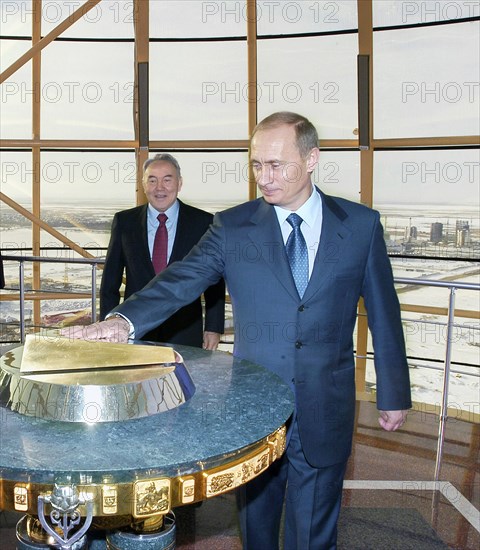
(164, 540)
(116, 540)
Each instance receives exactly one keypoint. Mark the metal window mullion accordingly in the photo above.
(36, 159)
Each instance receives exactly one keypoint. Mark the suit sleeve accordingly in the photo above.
(194, 221)
(215, 307)
(112, 271)
(178, 285)
(384, 321)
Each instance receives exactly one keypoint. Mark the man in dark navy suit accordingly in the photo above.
(131, 248)
(297, 319)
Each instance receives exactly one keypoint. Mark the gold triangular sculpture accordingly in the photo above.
(43, 354)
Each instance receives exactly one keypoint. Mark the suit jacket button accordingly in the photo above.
(298, 345)
(301, 308)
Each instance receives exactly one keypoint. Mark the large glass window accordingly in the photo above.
(16, 177)
(412, 12)
(305, 16)
(315, 76)
(89, 178)
(194, 19)
(108, 19)
(213, 181)
(93, 98)
(198, 93)
(338, 174)
(16, 97)
(427, 81)
(430, 202)
(16, 19)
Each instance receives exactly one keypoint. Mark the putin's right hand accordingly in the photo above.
(114, 329)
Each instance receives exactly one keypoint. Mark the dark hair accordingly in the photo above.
(307, 136)
(165, 157)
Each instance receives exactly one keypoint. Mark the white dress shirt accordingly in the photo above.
(311, 227)
(171, 225)
(152, 226)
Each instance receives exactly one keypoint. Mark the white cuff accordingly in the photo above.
(131, 328)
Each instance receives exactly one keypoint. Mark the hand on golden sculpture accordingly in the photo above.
(114, 329)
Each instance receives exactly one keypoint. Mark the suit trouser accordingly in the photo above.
(312, 503)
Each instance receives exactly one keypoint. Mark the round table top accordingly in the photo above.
(236, 408)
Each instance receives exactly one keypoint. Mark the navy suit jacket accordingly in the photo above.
(128, 251)
(308, 341)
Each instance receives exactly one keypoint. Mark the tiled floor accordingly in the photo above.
(388, 471)
(397, 470)
(389, 478)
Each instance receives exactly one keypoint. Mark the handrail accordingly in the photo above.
(43, 259)
(433, 282)
(93, 262)
(452, 285)
(101, 260)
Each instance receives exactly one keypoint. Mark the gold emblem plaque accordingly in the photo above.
(20, 498)
(227, 479)
(109, 499)
(152, 497)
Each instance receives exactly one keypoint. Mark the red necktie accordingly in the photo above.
(159, 256)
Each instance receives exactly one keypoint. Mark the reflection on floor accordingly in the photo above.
(390, 499)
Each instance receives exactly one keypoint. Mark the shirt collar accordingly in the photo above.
(308, 211)
(171, 212)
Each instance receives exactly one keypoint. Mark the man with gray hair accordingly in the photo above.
(145, 239)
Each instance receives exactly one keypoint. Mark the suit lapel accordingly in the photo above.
(142, 237)
(177, 252)
(333, 240)
(266, 238)
(267, 235)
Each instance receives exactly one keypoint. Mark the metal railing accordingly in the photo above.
(453, 286)
(93, 262)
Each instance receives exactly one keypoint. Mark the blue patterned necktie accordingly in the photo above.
(297, 253)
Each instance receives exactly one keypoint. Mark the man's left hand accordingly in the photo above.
(211, 340)
(392, 420)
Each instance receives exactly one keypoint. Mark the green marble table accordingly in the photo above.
(229, 431)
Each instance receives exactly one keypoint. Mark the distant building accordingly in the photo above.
(410, 233)
(436, 232)
(462, 233)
